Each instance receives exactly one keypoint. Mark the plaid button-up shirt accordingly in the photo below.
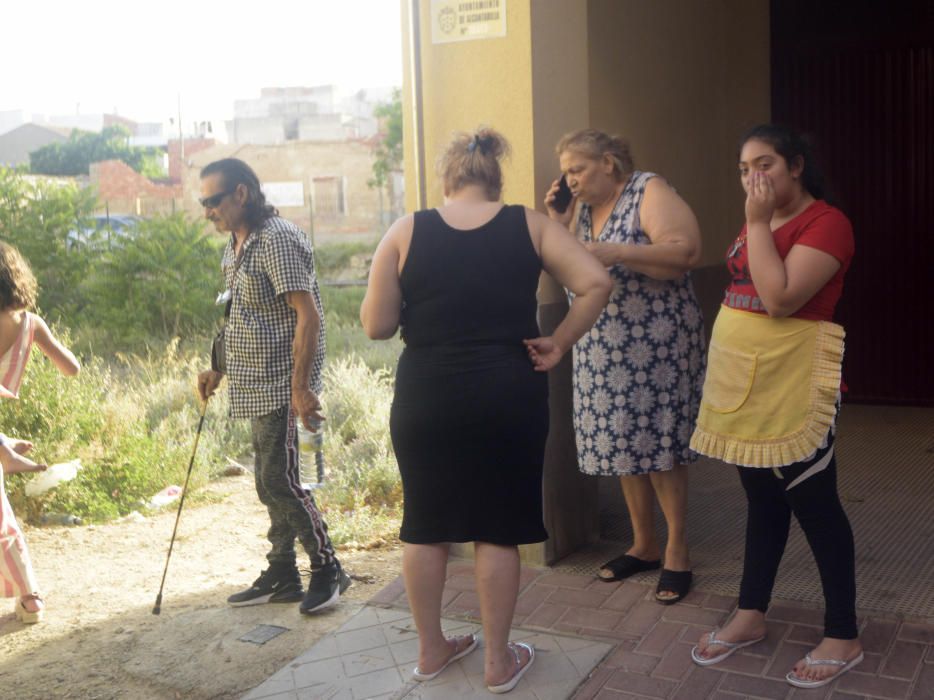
(275, 259)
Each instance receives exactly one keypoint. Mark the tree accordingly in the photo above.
(388, 152)
(74, 156)
(159, 281)
(41, 220)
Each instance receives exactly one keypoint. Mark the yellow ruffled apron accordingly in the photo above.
(771, 389)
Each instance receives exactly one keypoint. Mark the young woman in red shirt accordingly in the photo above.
(772, 392)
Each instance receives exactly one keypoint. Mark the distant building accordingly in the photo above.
(18, 143)
(316, 113)
(177, 153)
(10, 119)
(319, 185)
(141, 133)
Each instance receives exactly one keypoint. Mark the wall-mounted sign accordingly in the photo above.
(462, 20)
(285, 194)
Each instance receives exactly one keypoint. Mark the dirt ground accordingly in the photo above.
(100, 640)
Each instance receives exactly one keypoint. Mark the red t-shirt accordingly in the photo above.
(819, 226)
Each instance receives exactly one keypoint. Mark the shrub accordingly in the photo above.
(132, 425)
(362, 496)
(332, 259)
(37, 218)
(160, 282)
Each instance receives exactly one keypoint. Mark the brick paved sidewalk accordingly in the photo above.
(651, 658)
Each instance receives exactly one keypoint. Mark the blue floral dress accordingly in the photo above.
(639, 372)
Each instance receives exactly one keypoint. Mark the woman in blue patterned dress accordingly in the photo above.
(638, 374)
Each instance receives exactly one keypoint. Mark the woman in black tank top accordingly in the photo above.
(470, 413)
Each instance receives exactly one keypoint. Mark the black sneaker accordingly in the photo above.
(324, 589)
(274, 585)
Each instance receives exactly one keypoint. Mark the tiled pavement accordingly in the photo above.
(373, 653)
(644, 647)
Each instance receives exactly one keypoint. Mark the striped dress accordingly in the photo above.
(16, 574)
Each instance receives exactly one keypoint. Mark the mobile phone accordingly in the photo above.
(563, 196)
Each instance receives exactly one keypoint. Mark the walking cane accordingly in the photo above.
(157, 608)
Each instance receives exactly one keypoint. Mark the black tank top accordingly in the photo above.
(476, 286)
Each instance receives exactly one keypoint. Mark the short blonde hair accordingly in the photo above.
(18, 287)
(596, 144)
(474, 159)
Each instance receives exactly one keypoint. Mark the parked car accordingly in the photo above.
(102, 230)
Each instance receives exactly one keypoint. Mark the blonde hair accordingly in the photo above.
(473, 159)
(17, 283)
(596, 144)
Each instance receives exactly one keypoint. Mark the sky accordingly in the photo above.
(137, 58)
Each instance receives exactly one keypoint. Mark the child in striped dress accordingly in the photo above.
(18, 330)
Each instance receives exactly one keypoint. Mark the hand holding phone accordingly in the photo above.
(563, 196)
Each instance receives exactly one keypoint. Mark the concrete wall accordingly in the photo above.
(122, 190)
(682, 80)
(471, 83)
(192, 146)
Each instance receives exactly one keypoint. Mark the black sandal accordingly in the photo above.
(627, 565)
(678, 582)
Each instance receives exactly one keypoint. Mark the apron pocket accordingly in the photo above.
(729, 378)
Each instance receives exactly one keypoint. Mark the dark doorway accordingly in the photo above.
(859, 77)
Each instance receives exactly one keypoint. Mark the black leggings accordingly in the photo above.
(816, 505)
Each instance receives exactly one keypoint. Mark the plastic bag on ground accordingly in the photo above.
(165, 496)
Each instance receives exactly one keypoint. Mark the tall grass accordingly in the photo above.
(362, 496)
(332, 260)
(132, 419)
(132, 423)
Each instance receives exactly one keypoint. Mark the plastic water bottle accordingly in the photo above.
(52, 477)
(59, 519)
(310, 448)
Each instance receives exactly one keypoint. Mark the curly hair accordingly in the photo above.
(595, 144)
(18, 286)
(473, 159)
(233, 172)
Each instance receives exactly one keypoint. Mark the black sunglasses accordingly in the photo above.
(215, 199)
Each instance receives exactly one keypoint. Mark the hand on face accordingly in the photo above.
(760, 199)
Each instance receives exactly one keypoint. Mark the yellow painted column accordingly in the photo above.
(531, 85)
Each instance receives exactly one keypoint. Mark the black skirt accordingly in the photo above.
(468, 427)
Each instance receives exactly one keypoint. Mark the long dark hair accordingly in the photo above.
(790, 145)
(233, 172)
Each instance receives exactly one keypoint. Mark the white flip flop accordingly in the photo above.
(514, 681)
(474, 641)
(843, 667)
(731, 647)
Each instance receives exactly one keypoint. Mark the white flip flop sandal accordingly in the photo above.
(514, 681)
(731, 647)
(842, 667)
(474, 640)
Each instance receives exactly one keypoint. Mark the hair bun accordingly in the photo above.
(473, 158)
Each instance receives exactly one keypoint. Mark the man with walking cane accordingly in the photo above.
(272, 353)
